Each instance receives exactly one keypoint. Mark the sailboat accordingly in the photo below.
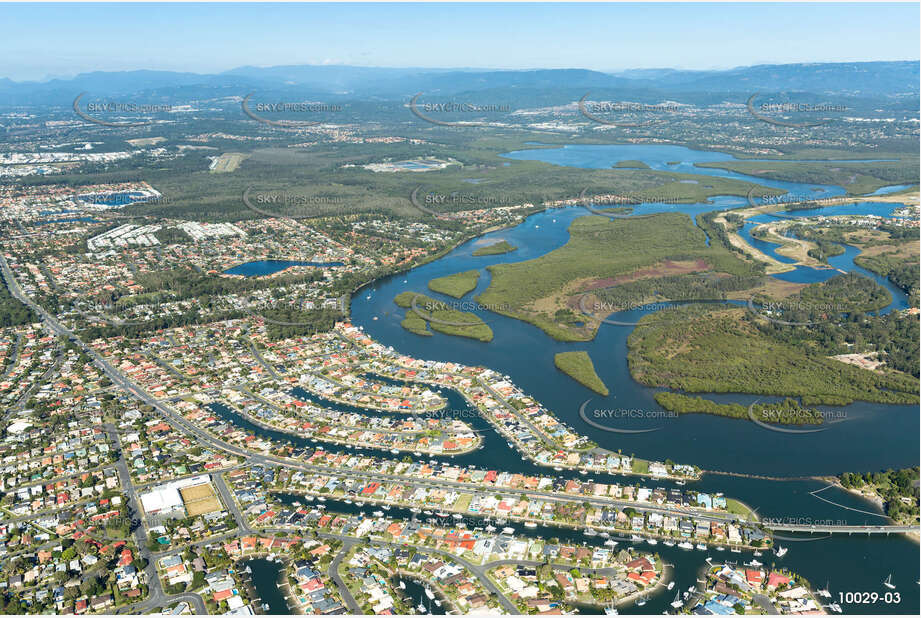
(781, 551)
(888, 583)
(677, 602)
(824, 591)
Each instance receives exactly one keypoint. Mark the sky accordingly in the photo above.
(40, 41)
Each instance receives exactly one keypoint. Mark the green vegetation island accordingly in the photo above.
(631, 164)
(456, 285)
(440, 317)
(498, 248)
(787, 412)
(605, 256)
(579, 367)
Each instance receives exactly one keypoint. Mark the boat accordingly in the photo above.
(457, 516)
(415, 510)
(668, 543)
(557, 468)
(709, 559)
(347, 501)
(835, 608)
(437, 602)
(417, 453)
(590, 532)
(402, 585)
(530, 524)
(652, 541)
(611, 611)
(508, 530)
(640, 602)
(378, 513)
(701, 547)
(266, 606)
(440, 514)
(685, 545)
(429, 593)
(757, 553)
(823, 592)
(321, 499)
(677, 602)
(395, 451)
(490, 528)
(720, 548)
(780, 552)
(692, 589)
(421, 608)
(248, 569)
(636, 538)
(753, 563)
(583, 471)
(888, 583)
(610, 543)
(679, 483)
(386, 507)
(735, 550)
(671, 585)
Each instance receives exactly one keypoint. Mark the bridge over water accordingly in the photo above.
(841, 529)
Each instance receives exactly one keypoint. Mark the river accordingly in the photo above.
(873, 437)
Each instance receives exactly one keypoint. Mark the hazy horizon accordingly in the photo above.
(47, 41)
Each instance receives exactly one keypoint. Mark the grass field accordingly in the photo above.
(228, 162)
(579, 367)
(199, 499)
(455, 285)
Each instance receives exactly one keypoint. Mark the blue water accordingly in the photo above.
(261, 268)
(872, 437)
(120, 198)
(890, 189)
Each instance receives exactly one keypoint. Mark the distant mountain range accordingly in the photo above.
(549, 86)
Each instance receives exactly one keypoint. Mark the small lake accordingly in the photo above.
(261, 268)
